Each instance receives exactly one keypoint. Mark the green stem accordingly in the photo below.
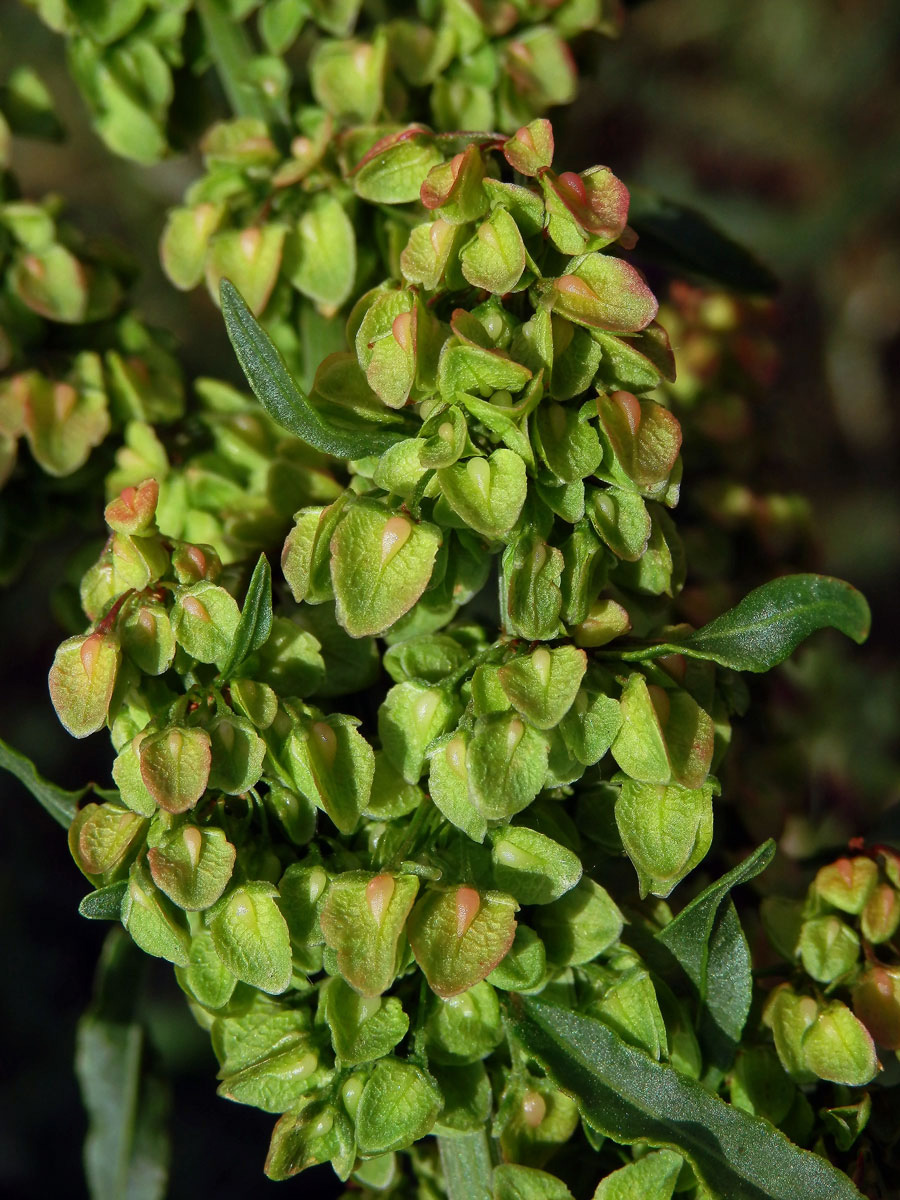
(231, 51)
(466, 1162)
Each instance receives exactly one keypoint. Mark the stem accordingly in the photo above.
(230, 50)
(466, 1162)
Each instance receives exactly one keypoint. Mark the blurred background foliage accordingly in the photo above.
(779, 121)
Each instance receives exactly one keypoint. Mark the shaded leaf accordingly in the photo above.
(127, 1149)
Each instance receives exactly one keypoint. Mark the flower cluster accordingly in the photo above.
(303, 870)
(465, 64)
(75, 362)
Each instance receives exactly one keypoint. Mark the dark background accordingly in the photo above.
(782, 122)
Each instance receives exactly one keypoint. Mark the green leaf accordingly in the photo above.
(718, 968)
(59, 803)
(251, 937)
(230, 48)
(682, 239)
(255, 624)
(770, 622)
(127, 1147)
(624, 1094)
(280, 396)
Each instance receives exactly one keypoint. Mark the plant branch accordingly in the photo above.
(466, 1162)
(230, 49)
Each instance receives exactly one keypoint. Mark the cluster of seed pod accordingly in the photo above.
(305, 873)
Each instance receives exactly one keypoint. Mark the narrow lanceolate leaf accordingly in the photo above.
(709, 944)
(126, 1150)
(60, 804)
(770, 623)
(630, 1097)
(256, 618)
(280, 396)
